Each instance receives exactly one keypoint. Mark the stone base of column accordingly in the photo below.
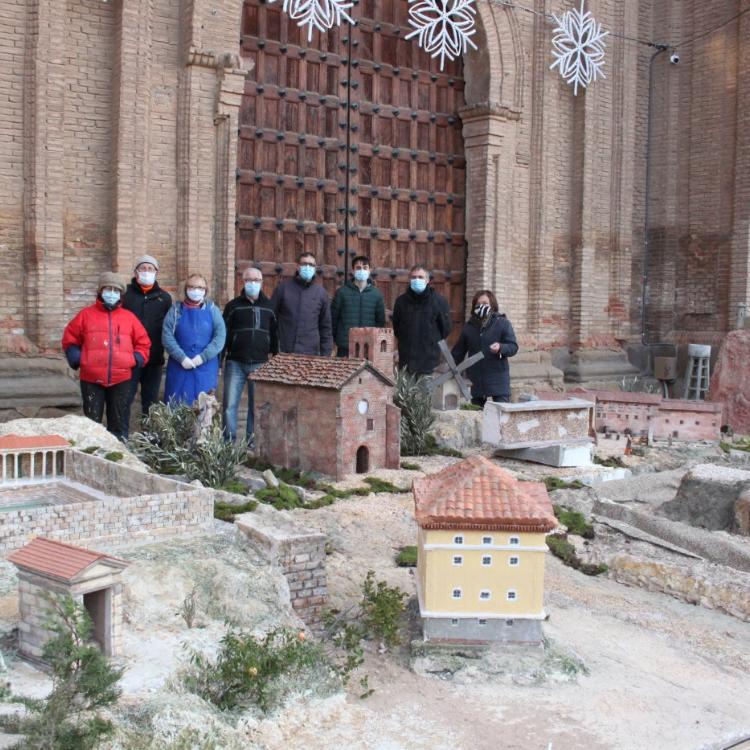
(599, 368)
(532, 370)
(36, 384)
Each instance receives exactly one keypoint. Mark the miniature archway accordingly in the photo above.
(363, 459)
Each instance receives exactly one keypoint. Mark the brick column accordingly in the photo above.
(44, 146)
(490, 146)
(131, 79)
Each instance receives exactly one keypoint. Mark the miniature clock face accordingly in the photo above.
(362, 407)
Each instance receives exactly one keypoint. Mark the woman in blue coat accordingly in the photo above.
(193, 335)
(490, 332)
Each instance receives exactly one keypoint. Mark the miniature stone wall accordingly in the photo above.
(299, 552)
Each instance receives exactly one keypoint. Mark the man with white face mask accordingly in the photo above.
(150, 304)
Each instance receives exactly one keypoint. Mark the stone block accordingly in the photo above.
(536, 424)
(742, 514)
(567, 454)
(730, 380)
(707, 497)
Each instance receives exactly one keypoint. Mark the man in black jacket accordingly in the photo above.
(150, 304)
(421, 318)
(251, 337)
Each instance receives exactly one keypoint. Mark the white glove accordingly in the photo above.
(197, 360)
(188, 363)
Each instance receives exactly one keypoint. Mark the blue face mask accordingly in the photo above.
(252, 288)
(361, 274)
(110, 298)
(418, 285)
(307, 273)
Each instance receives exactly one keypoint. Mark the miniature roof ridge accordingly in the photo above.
(476, 493)
(29, 442)
(59, 560)
(314, 371)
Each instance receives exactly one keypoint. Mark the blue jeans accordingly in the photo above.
(235, 377)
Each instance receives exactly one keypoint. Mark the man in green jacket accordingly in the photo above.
(357, 304)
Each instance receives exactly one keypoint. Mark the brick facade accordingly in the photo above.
(119, 137)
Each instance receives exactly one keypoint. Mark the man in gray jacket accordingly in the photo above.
(303, 312)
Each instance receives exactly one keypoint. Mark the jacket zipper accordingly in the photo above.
(109, 366)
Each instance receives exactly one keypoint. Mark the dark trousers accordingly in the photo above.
(482, 400)
(115, 398)
(149, 378)
(341, 352)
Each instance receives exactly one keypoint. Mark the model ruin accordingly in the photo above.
(332, 415)
(47, 569)
(480, 570)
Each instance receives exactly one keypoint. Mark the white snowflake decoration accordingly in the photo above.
(443, 27)
(578, 44)
(317, 14)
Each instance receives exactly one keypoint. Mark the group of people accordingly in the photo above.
(120, 341)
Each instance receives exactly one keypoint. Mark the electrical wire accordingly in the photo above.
(715, 28)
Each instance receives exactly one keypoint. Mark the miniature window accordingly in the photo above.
(682, 421)
(482, 623)
(457, 593)
(514, 540)
(363, 406)
(458, 560)
(486, 540)
(458, 540)
(356, 351)
(486, 560)
(512, 595)
(370, 425)
(509, 623)
(485, 595)
(513, 561)
(454, 622)
(383, 346)
(697, 422)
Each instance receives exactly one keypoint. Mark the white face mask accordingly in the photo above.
(146, 278)
(196, 295)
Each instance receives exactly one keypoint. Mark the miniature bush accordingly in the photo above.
(188, 609)
(382, 607)
(90, 450)
(417, 418)
(574, 521)
(407, 557)
(555, 483)
(560, 547)
(83, 681)
(114, 456)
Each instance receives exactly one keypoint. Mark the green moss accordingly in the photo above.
(574, 521)
(90, 450)
(235, 486)
(227, 511)
(406, 466)
(407, 557)
(470, 407)
(560, 547)
(114, 456)
(431, 448)
(555, 483)
(380, 485)
(740, 445)
(612, 462)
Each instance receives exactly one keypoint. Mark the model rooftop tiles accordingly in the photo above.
(32, 442)
(478, 494)
(312, 371)
(55, 559)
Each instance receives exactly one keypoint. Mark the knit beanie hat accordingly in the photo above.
(147, 259)
(108, 278)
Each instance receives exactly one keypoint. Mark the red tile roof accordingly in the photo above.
(478, 494)
(22, 442)
(54, 559)
(315, 372)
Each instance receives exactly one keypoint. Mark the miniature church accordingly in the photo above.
(481, 547)
(377, 345)
(327, 414)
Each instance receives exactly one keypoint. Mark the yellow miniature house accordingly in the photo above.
(480, 568)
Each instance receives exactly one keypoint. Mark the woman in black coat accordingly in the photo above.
(490, 332)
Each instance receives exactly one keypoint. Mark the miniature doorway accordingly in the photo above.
(363, 460)
(98, 604)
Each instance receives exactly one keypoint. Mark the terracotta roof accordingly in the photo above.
(59, 560)
(477, 494)
(22, 442)
(316, 372)
(678, 404)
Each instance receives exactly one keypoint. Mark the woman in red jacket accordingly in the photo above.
(106, 342)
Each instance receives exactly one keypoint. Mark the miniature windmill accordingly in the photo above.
(454, 371)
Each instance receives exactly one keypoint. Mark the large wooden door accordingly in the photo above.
(350, 144)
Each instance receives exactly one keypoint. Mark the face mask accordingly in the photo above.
(482, 311)
(307, 273)
(361, 274)
(418, 285)
(110, 298)
(146, 278)
(252, 288)
(196, 295)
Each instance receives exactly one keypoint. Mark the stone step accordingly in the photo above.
(36, 382)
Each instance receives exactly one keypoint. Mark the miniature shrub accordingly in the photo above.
(407, 557)
(227, 511)
(83, 681)
(188, 609)
(417, 418)
(250, 670)
(410, 467)
(382, 607)
(91, 449)
(560, 547)
(114, 456)
(555, 483)
(170, 444)
(574, 521)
